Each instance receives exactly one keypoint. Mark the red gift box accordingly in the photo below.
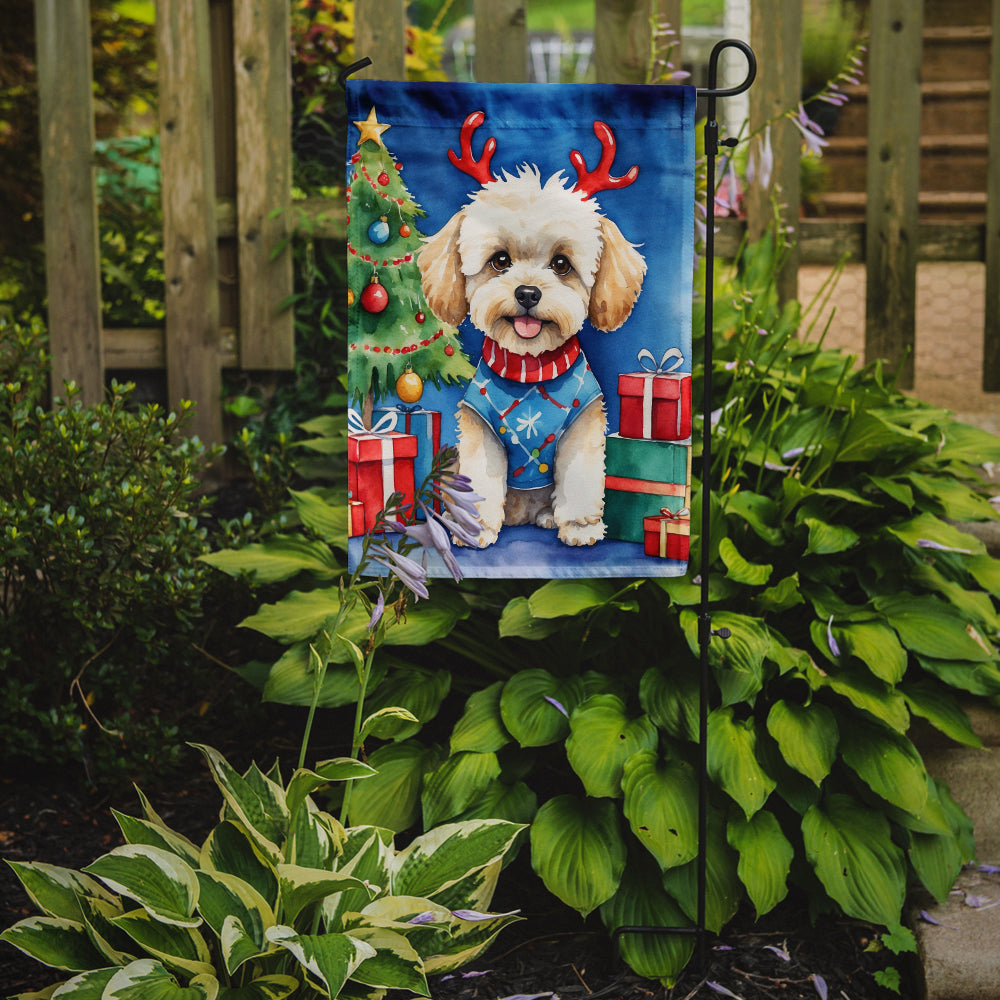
(668, 535)
(356, 518)
(656, 402)
(380, 463)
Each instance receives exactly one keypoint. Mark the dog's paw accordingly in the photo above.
(577, 533)
(545, 518)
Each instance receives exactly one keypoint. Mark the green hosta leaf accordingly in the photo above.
(723, 889)
(827, 539)
(671, 700)
(560, 598)
(481, 728)
(279, 558)
(147, 979)
(661, 799)
(391, 798)
(438, 859)
(732, 760)
(141, 831)
(292, 680)
(850, 848)
(870, 436)
(516, 803)
(395, 964)
(275, 987)
(876, 646)
(54, 941)
(738, 569)
(783, 595)
(530, 706)
(226, 898)
(931, 628)
(888, 763)
(230, 849)
(965, 443)
(893, 488)
(260, 809)
(641, 901)
(927, 527)
(456, 784)
(327, 520)
(738, 661)
(976, 678)
(937, 860)
(301, 887)
(941, 709)
(56, 891)
(602, 738)
(304, 782)
(330, 959)
(807, 736)
(180, 948)
(517, 620)
(417, 690)
(976, 605)
(578, 851)
(159, 881)
(986, 571)
(758, 511)
(765, 858)
(866, 692)
(957, 501)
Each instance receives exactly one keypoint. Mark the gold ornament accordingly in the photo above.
(409, 386)
(350, 297)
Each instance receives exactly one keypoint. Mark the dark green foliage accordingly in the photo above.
(101, 587)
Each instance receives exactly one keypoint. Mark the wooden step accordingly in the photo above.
(956, 53)
(939, 13)
(957, 206)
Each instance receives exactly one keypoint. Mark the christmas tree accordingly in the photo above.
(395, 342)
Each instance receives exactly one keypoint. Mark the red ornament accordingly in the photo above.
(404, 230)
(383, 178)
(420, 317)
(374, 298)
(449, 350)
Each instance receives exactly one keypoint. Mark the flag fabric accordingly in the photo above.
(520, 260)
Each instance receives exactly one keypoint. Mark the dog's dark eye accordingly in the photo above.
(561, 264)
(500, 261)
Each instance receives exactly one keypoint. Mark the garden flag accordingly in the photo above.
(520, 267)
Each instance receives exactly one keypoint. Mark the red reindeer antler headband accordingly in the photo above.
(588, 181)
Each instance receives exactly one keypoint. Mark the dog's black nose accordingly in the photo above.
(527, 296)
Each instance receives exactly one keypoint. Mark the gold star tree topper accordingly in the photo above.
(372, 128)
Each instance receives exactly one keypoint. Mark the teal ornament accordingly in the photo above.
(378, 231)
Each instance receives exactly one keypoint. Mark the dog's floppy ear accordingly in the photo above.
(441, 273)
(618, 281)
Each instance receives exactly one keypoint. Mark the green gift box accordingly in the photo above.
(641, 477)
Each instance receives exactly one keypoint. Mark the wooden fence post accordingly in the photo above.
(190, 250)
(501, 41)
(262, 61)
(991, 332)
(623, 37)
(380, 34)
(776, 35)
(892, 241)
(72, 255)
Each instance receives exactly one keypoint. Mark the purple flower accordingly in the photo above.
(927, 543)
(761, 163)
(411, 574)
(558, 705)
(834, 648)
(475, 915)
(377, 612)
(719, 988)
(820, 983)
(811, 132)
(427, 917)
(431, 535)
(780, 952)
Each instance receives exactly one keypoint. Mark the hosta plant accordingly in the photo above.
(279, 900)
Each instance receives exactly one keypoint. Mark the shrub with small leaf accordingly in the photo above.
(279, 900)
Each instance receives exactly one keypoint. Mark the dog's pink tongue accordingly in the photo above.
(527, 326)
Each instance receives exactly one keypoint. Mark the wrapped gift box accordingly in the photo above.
(641, 478)
(378, 465)
(668, 535)
(425, 426)
(656, 403)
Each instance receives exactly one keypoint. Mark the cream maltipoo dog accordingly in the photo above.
(528, 262)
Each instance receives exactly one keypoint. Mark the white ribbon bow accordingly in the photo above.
(357, 426)
(673, 353)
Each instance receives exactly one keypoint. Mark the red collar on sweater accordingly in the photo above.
(524, 368)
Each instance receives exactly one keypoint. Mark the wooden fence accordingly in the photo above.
(226, 160)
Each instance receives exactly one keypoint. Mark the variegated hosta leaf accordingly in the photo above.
(732, 760)
(56, 891)
(807, 736)
(224, 898)
(467, 941)
(315, 838)
(158, 880)
(116, 946)
(256, 801)
(535, 706)
(602, 737)
(230, 849)
(275, 987)
(328, 959)
(481, 727)
(661, 805)
(141, 831)
(456, 784)
(578, 851)
(850, 847)
(475, 891)
(395, 964)
(177, 947)
(367, 853)
(54, 941)
(441, 857)
(301, 887)
(87, 986)
(149, 980)
(765, 858)
(642, 902)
